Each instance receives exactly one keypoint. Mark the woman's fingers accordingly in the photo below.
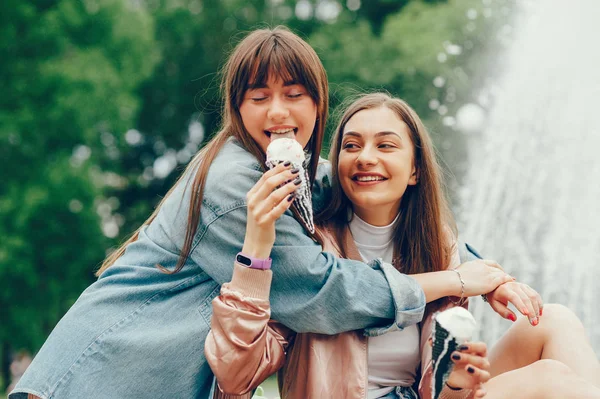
(514, 298)
(531, 297)
(482, 376)
(273, 182)
(525, 299)
(276, 200)
(474, 348)
(480, 393)
(270, 173)
(531, 309)
(462, 359)
(279, 209)
(502, 309)
(475, 365)
(535, 298)
(268, 183)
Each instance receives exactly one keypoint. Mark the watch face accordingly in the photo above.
(243, 260)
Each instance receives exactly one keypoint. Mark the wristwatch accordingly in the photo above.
(253, 263)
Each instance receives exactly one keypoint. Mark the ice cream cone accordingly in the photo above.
(451, 328)
(284, 149)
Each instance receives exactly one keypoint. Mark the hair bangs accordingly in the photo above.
(277, 60)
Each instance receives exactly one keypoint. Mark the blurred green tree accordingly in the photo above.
(69, 74)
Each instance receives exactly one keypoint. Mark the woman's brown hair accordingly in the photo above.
(263, 53)
(425, 231)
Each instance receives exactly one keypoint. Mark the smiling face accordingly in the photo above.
(278, 107)
(376, 164)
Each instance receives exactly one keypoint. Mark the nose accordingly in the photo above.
(278, 110)
(367, 156)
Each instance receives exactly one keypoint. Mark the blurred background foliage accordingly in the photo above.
(104, 101)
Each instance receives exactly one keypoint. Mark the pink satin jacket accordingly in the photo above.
(245, 347)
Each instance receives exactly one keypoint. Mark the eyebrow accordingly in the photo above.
(263, 85)
(380, 134)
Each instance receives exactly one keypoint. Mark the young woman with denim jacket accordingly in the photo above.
(385, 174)
(139, 330)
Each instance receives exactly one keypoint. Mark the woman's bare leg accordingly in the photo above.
(544, 379)
(559, 336)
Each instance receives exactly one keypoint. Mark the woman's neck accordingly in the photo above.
(377, 217)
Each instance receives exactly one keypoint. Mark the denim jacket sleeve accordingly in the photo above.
(407, 308)
(312, 290)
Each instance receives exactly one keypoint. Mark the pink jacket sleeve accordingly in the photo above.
(244, 346)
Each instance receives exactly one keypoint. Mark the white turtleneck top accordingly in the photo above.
(393, 358)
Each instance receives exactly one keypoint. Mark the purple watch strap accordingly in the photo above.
(253, 263)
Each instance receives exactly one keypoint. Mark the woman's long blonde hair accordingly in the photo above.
(425, 231)
(262, 53)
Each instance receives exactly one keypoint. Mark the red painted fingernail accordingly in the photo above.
(534, 322)
(541, 309)
(512, 317)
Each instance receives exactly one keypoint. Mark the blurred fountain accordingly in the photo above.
(531, 195)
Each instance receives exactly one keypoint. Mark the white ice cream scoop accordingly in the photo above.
(285, 149)
(459, 322)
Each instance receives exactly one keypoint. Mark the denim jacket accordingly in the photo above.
(139, 333)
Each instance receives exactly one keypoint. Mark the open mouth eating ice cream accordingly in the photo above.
(451, 328)
(284, 148)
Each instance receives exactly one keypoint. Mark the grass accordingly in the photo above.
(270, 388)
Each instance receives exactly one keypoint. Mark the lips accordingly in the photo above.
(280, 132)
(367, 178)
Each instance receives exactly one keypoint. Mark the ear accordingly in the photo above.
(414, 177)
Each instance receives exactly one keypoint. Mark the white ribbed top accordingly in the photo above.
(393, 358)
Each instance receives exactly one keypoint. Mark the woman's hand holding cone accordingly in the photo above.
(471, 368)
(270, 197)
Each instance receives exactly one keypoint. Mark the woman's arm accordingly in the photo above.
(312, 290)
(244, 346)
(479, 276)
